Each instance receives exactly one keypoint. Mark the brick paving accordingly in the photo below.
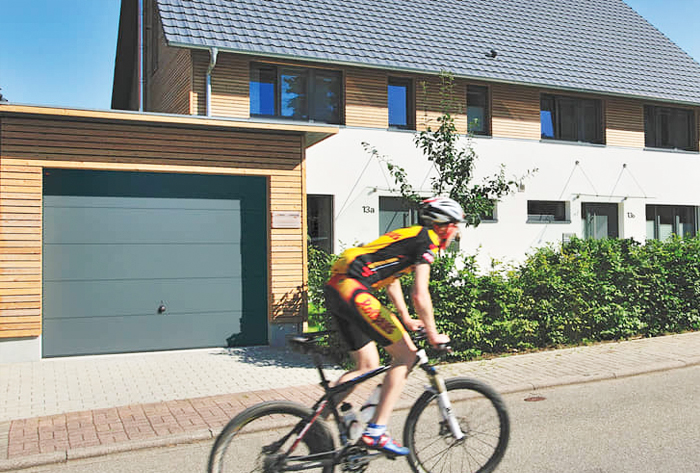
(59, 437)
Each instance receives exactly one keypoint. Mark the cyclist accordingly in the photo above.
(361, 318)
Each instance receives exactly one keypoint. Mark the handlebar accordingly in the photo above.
(421, 335)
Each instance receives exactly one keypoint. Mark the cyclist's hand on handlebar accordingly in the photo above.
(413, 325)
(439, 340)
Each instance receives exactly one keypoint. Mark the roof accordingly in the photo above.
(600, 46)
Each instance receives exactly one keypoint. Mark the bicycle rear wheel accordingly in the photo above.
(483, 418)
(250, 442)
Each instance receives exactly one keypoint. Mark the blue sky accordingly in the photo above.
(61, 52)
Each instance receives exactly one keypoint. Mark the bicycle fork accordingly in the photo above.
(438, 386)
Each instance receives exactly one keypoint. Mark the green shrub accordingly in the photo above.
(579, 292)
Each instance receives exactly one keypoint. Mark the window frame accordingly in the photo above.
(653, 137)
(578, 119)
(310, 75)
(558, 216)
(397, 205)
(676, 211)
(410, 104)
(487, 109)
(320, 214)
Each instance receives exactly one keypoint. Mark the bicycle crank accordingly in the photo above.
(355, 460)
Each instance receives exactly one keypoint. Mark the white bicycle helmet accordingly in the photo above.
(437, 210)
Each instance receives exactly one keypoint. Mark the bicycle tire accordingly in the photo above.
(260, 425)
(432, 445)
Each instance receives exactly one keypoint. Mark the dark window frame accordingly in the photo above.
(657, 134)
(310, 75)
(320, 220)
(410, 104)
(547, 211)
(654, 214)
(577, 121)
(485, 92)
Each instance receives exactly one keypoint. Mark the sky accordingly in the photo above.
(61, 52)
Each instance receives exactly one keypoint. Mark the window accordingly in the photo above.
(396, 212)
(400, 103)
(666, 220)
(295, 93)
(319, 221)
(666, 127)
(546, 211)
(478, 116)
(571, 119)
(599, 220)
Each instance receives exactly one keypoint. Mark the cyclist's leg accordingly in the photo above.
(403, 355)
(385, 328)
(363, 350)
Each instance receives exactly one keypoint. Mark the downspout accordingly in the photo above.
(213, 52)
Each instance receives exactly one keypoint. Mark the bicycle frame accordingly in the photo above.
(328, 400)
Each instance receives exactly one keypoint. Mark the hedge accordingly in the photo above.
(571, 294)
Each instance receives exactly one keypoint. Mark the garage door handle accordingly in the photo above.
(161, 308)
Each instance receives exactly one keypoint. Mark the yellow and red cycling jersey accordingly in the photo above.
(378, 263)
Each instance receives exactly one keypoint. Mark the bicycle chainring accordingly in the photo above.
(355, 460)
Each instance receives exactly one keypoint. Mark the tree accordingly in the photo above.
(2, 99)
(454, 161)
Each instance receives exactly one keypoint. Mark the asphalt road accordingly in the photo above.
(647, 423)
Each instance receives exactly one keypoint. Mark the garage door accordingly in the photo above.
(150, 261)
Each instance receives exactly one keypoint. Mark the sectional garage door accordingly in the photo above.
(152, 261)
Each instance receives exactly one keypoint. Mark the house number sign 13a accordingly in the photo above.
(367, 209)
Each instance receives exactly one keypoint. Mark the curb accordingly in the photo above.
(64, 456)
(207, 434)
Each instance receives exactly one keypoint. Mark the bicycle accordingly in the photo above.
(443, 429)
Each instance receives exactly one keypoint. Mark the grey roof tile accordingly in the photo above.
(589, 45)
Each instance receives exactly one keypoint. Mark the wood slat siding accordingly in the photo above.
(624, 122)
(198, 93)
(366, 98)
(168, 87)
(429, 104)
(230, 95)
(515, 111)
(28, 144)
(20, 248)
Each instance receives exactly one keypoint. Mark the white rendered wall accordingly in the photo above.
(632, 178)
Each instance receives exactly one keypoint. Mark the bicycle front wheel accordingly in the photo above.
(482, 417)
(253, 440)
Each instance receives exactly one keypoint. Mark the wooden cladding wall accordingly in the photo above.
(20, 248)
(169, 74)
(515, 111)
(198, 93)
(624, 123)
(28, 144)
(366, 98)
(429, 103)
(230, 96)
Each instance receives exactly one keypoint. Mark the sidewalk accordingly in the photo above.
(61, 409)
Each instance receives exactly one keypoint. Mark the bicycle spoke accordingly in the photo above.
(481, 417)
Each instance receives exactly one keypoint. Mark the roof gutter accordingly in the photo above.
(213, 53)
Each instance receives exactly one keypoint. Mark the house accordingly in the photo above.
(587, 92)
(216, 104)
